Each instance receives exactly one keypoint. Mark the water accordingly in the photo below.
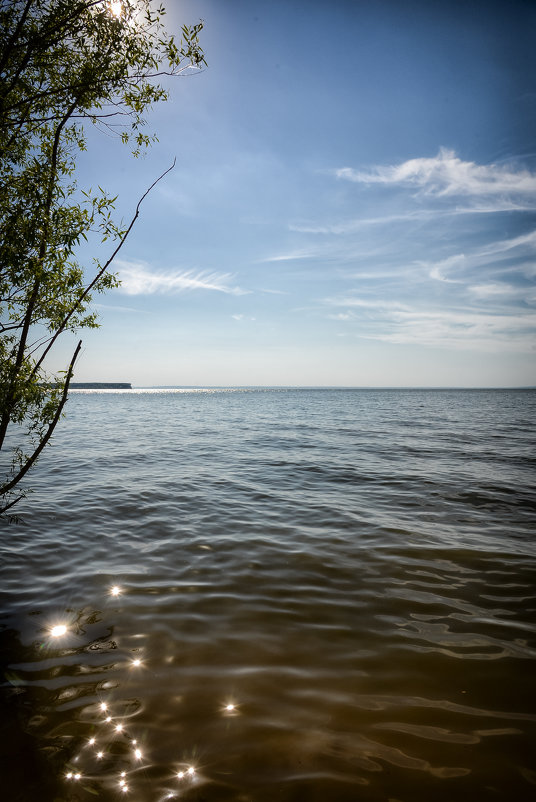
(331, 596)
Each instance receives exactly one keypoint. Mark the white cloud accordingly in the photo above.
(438, 270)
(502, 291)
(137, 279)
(469, 327)
(366, 303)
(482, 257)
(492, 206)
(289, 257)
(242, 317)
(466, 328)
(342, 316)
(354, 225)
(110, 308)
(446, 174)
(501, 246)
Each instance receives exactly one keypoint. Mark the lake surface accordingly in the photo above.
(321, 595)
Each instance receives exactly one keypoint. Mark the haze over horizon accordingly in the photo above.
(353, 203)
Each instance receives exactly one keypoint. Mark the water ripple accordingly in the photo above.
(320, 596)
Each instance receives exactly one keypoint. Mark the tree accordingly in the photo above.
(64, 64)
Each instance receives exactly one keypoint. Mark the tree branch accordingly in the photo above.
(101, 272)
(28, 464)
(10, 395)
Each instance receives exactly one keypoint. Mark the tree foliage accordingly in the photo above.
(64, 65)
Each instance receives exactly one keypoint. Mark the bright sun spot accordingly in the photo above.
(137, 754)
(58, 630)
(136, 662)
(116, 8)
(119, 728)
(229, 707)
(116, 590)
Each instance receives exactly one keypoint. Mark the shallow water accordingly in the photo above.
(352, 571)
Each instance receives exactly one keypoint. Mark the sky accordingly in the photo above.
(353, 202)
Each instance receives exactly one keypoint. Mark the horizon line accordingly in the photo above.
(333, 387)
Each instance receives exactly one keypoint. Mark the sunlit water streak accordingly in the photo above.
(275, 594)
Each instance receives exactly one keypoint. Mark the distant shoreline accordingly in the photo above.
(128, 386)
(100, 386)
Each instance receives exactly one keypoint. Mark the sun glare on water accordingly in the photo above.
(108, 725)
(58, 630)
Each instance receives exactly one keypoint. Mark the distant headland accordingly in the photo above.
(100, 386)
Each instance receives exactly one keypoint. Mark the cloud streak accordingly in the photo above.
(458, 328)
(486, 257)
(447, 175)
(137, 279)
(496, 205)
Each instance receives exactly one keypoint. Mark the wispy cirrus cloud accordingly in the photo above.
(483, 257)
(138, 279)
(290, 256)
(447, 175)
(115, 308)
(342, 316)
(460, 328)
(527, 241)
(484, 301)
(474, 206)
(355, 225)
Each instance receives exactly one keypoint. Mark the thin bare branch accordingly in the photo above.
(44, 440)
(61, 328)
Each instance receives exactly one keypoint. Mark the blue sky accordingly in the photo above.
(353, 202)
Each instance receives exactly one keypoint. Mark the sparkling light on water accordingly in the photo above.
(58, 630)
(103, 707)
